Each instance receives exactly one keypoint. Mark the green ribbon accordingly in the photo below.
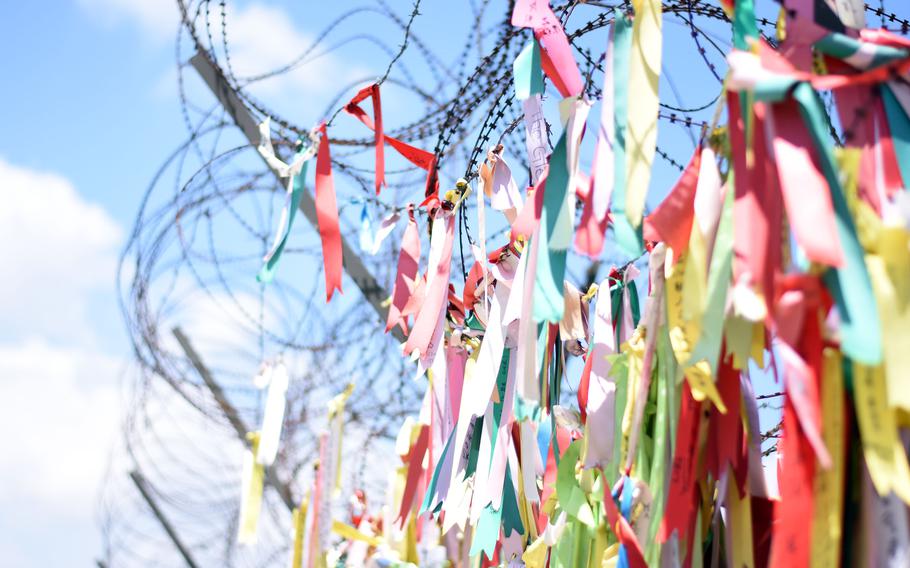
(708, 346)
(549, 303)
(511, 515)
(267, 272)
(431, 489)
(842, 46)
(527, 72)
(861, 338)
(662, 450)
(628, 238)
(744, 25)
(571, 498)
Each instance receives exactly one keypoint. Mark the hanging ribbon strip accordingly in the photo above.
(374, 124)
(296, 174)
(589, 239)
(420, 158)
(327, 217)
(273, 417)
(644, 76)
(556, 53)
(406, 279)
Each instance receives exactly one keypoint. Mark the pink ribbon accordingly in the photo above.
(556, 53)
(429, 316)
(405, 280)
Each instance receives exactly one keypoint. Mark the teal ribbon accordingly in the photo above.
(849, 285)
(527, 72)
(549, 303)
(431, 489)
(842, 46)
(267, 272)
(744, 25)
(628, 238)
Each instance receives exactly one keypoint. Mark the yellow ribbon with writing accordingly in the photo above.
(828, 483)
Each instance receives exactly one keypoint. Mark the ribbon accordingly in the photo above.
(415, 461)
(627, 236)
(526, 72)
(629, 545)
(296, 174)
(680, 510)
(791, 530)
(327, 217)
(806, 196)
(273, 417)
(405, 279)
(299, 522)
(556, 218)
(644, 75)
(386, 226)
(336, 428)
(354, 109)
(424, 337)
(882, 448)
(504, 195)
(890, 274)
(589, 239)
(827, 522)
(536, 138)
(671, 222)
(757, 210)
(251, 491)
(556, 53)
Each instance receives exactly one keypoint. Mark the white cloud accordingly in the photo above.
(156, 18)
(59, 391)
(56, 250)
(62, 405)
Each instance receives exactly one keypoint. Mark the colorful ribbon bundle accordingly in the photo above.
(777, 252)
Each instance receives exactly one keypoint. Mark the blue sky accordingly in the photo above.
(83, 82)
(90, 111)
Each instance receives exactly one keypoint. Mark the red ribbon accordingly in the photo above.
(757, 210)
(805, 190)
(353, 109)
(414, 460)
(792, 528)
(681, 495)
(726, 435)
(420, 158)
(623, 530)
(671, 222)
(406, 278)
(327, 217)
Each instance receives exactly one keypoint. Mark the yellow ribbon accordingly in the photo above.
(348, 532)
(644, 76)
(251, 500)
(828, 499)
(885, 456)
(299, 521)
